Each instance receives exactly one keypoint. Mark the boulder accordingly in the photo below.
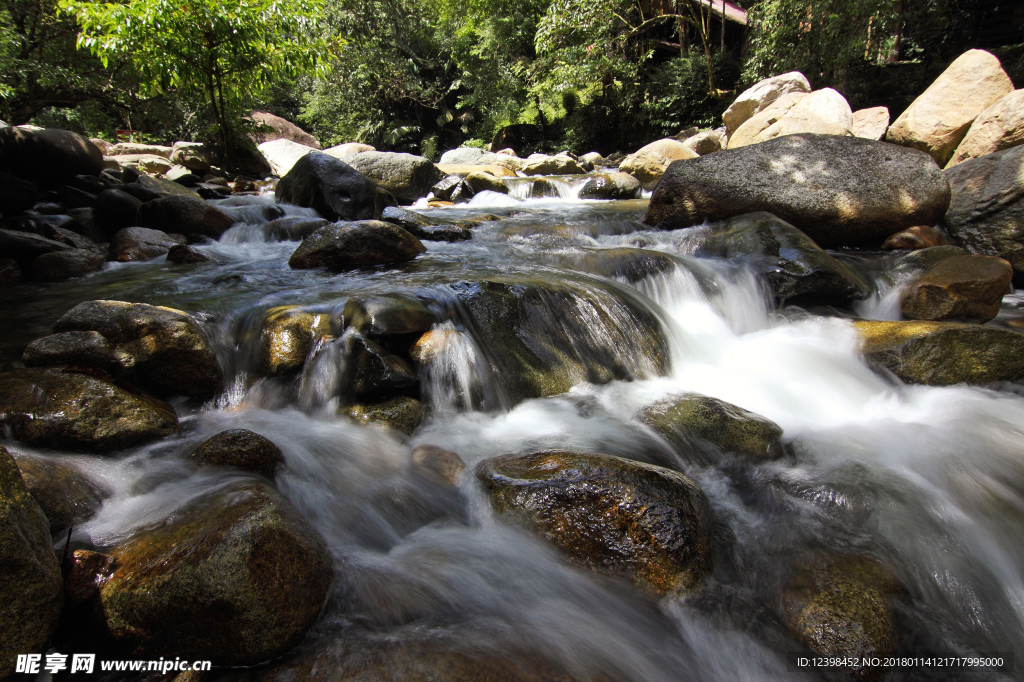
(160, 349)
(125, 148)
(75, 411)
(283, 153)
(753, 128)
(986, 212)
(639, 521)
(441, 463)
(242, 449)
(292, 229)
(840, 191)
(193, 156)
(999, 127)
(147, 163)
(236, 577)
(61, 265)
(937, 121)
(797, 270)
(610, 186)
(482, 181)
(462, 155)
(705, 142)
(405, 176)
(429, 228)
(760, 96)
(286, 337)
(116, 210)
(185, 215)
(593, 158)
(102, 145)
(917, 237)
(542, 164)
(944, 353)
(332, 187)
(10, 271)
(146, 188)
(625, 263)
(403, 414)
(347, 245)
(72, 197)
(452, 188)
(372, 371)
(141, 243)
(967, 288)
(649, 163)
(85, 349)
(497, 170)
(347, 149)
(702, 428)
(32, 594)
(66, 497)
(184, 254)
(387, 315)
(25, 247)
(271, 127)
(842, 608)
(872, 123)
(16, 194)
(50, 157)
(822, 112)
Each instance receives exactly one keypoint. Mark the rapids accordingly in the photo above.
(928, 480)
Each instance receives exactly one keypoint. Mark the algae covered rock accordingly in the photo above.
(287, 335)
(242, 449)
(65, 496)
(402, 413)
(639, 521)
(343, 246)
(386, 315)
(701, 428)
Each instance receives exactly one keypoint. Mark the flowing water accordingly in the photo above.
(930, 481)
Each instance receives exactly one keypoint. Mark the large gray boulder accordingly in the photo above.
(184, 215)
(462, 155)
(407, 177)
(335, 189)
(840, 191)
(343, 246)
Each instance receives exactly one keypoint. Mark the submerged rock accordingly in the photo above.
(31, 593)
(242, 449)
(69, 410)
(702, 428)
(968, 288)
(402, 414)
(235, 577)
(840, 191)
(639, 521)
(185, 254)
(438, 462)
(343, 246)
(944, 353)
(66, 497)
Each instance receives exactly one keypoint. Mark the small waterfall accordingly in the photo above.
(453, 372)
(251, 213)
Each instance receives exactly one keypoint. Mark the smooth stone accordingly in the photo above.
(616, 186)
(999, 127)
(61, 265)
(422, 227)
(50, 156)
(184, 254)
(185, 215)
(343, 246)
(66, 497)
(402, 413)
(336, 190)
(272, 127)
(649, 163)
(871, 124)
(25, 247)
(286, 337)
(752, 129)
(282, 154)
(140, 243)
(373, 371)
(88, 349)
(917, 237)
(966, 288)
(438, 462)
(241, 449)
(405, 176)
(384, 315)
(760, 96)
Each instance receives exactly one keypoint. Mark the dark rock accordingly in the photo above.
(422, 227)
(66, 497)
(61, 265)
(183, 253)
(967, 288)
(384, 315)
(372, 370)
(944, 353)
(332, 187)
(248, 160)
(94, 184)
(402, 414)
(840, 191)
(610, 186)
(209, 191)
(116, 210)
(31, 595)
(620, 262)
(242, 449)
(50, 157)
(16, 194)
(798, 271)
(161, 349)
(72, 197)
(83, 222)
(89, 349)
(639, 521)
(147, 188)
(48, 208)
(25, 247)
(185, 215)
(236, 577)
(444, 188)
(701, 428)
(405, 176)
(292, 229)
(10, 271)
(69, 410)
(140, 243)
(343, 246)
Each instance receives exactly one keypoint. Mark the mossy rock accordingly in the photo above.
(943, 353)
(31, 593)
(66, 497)
(288, 334)
(701, 428)
(75, 411)
(242, 449)
(402, 413)
(642, 522)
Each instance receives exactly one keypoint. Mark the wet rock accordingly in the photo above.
(332, 187)
(639, 521)
(917, 237)
(999, 127)
(482, 181)
(405, 176)
(872, 123)
(842, 609)
(192, 155)
(61, 265)
(967, 288)
(16, 194)
(242, 449)
(542, 164)
(184, 254)
(160, 349)
(438, 462)
(89, 349)
(70, 410)
(702, 428)
(937, 121)
(30, 596)
(292, 229)
(986, 214)
(649, 163)
(116, 210)
(50, 157)
(840, 191)
(452, 188)
(147, 188)
(402, 414)
(185, 215)
(343, 246)
(286, 338)
(141, 243)
(66, 497)
(610, 186)
(631, 265)
(760, 96)
(25, 247)
(796, 269)
(10, 271)
(385, 315)
(944, 353)
(236, 577)
(373, 371)
(917, 262)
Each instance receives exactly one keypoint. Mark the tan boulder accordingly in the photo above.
(125, 148)
(917, 237)
(148, 163)
(282, 154)
(706, 142)
(465, 169)
(760, 96)
(871, 123)
(763, 120)
(276, 128)
(824, 112)
(968, 288)
(999, 127)
(486, 182)
(649, 163)
(348, 149)
(937, 121)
